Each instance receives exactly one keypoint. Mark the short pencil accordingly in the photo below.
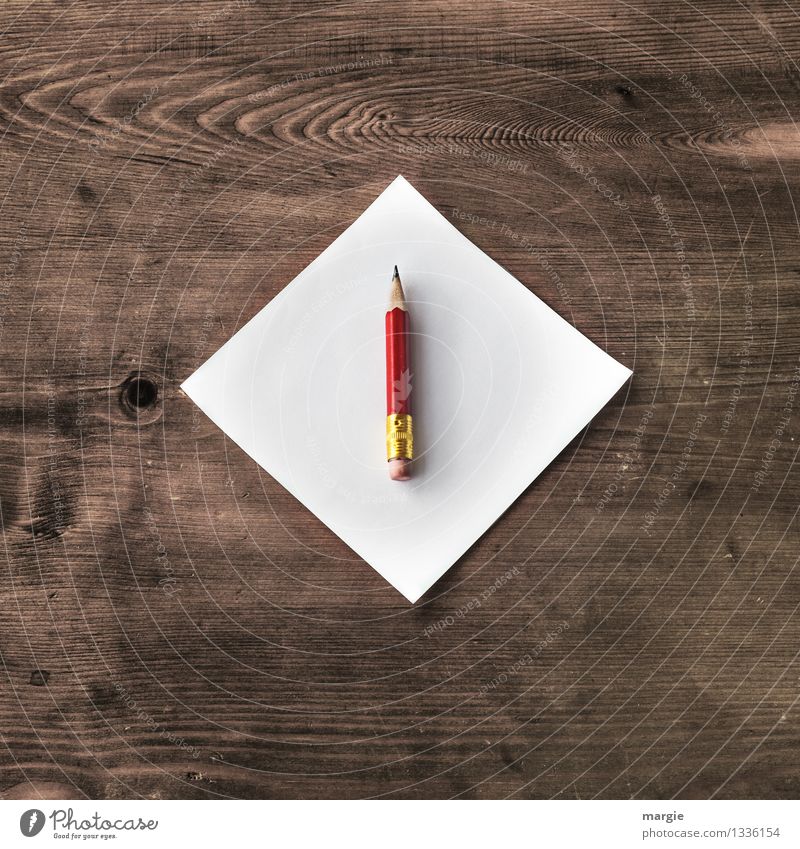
(399, 425)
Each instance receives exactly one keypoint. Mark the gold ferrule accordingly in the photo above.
(399, 437)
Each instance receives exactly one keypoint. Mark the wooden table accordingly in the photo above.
(175, 625)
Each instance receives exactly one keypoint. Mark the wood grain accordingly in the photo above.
(175, 625)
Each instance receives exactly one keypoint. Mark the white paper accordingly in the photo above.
(501, 384)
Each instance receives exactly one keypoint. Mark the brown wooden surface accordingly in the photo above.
(174, 624)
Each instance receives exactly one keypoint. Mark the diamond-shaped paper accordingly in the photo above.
(501, 384)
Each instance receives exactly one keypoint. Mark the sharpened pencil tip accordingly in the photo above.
(397, 298)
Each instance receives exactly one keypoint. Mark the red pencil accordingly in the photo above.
(399, 430)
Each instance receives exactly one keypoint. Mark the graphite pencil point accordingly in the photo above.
(397, 299)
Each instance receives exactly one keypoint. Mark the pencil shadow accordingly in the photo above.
(419, 465)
